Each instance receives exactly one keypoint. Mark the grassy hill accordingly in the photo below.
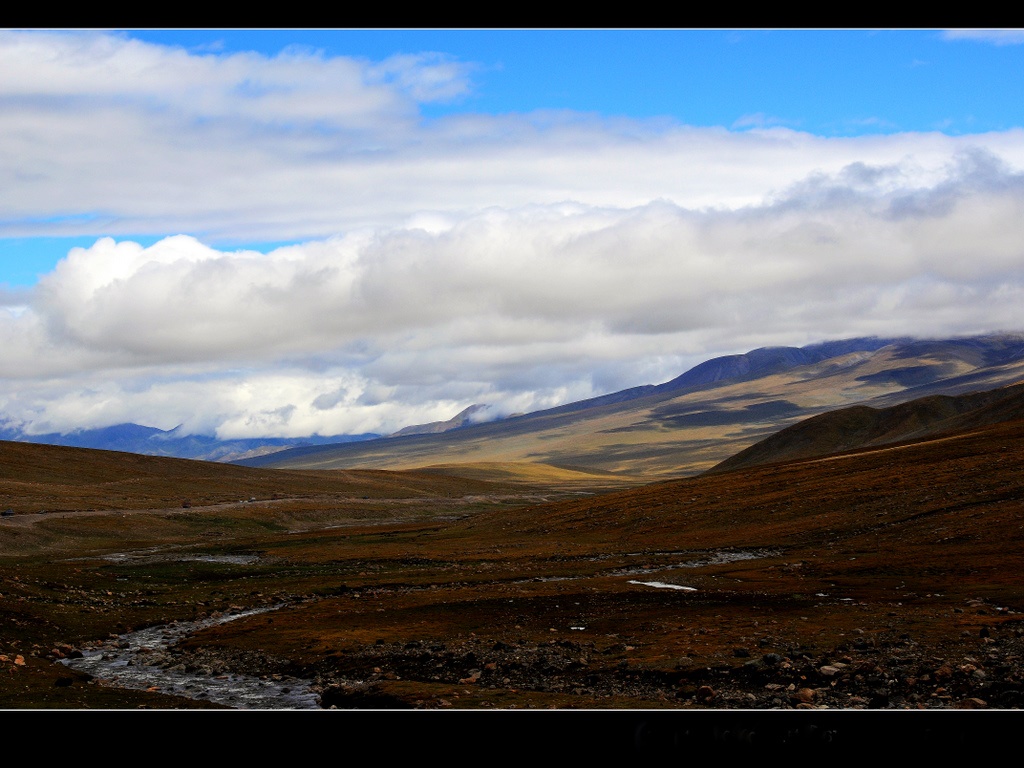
(694, 422)
(863, 427)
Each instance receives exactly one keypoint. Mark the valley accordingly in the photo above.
(559, 394)
(865, 558)
(884, 578)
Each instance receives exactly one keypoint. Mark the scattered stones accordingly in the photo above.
(705, 693)
(803, 695)
(898, 678)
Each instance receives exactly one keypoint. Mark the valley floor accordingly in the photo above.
(879, 580)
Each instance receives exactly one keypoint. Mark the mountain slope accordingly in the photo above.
(864, 427)
(36, 477)
(697, 420)
(459, 420)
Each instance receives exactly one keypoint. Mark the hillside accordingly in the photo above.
(692, 423)
(884, 578)
(47, 478)
(861, 427)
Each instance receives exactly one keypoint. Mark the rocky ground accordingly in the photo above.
(878, 671)
(887, 580)
(892, 674)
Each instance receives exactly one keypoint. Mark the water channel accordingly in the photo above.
(136, 660)
(139, 660)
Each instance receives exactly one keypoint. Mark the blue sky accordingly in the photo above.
(825, 82)
(289, 232)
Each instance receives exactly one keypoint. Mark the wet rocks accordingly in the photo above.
(154, 660)
(889, 672)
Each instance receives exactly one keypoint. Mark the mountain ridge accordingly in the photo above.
(696, 420)
(685, 425)
(152, 441)
(860, 427)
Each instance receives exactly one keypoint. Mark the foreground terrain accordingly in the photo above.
(880, 578)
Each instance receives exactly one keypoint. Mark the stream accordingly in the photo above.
(140, 660)
(136, 660)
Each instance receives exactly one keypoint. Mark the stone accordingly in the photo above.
(705, 693)
(971, 703)
(804, 695)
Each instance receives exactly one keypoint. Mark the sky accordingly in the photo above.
(257, 233)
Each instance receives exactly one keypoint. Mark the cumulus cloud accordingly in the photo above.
(521, 307)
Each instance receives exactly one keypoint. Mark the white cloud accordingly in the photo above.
(106, 134)
(522, 308)
(759, 120)
(424, 76)
(518, 260)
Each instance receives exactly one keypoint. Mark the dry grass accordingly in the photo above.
(923, 541)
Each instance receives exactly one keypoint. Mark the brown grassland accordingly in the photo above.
(883, 578)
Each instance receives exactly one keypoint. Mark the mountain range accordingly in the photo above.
(693, 422)
(150, 441)
(684, 426)
(853, 559)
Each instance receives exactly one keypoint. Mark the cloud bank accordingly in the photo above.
(519, 260)
(522, 307)
(104, 134)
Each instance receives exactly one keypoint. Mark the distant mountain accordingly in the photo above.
(683, 426)
(768, 360)
(864, 427)
(150, 441)
(698, 419)
(746, 367)
(436, 427)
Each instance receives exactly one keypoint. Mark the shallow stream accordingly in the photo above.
(137, 660)
(140, 660)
